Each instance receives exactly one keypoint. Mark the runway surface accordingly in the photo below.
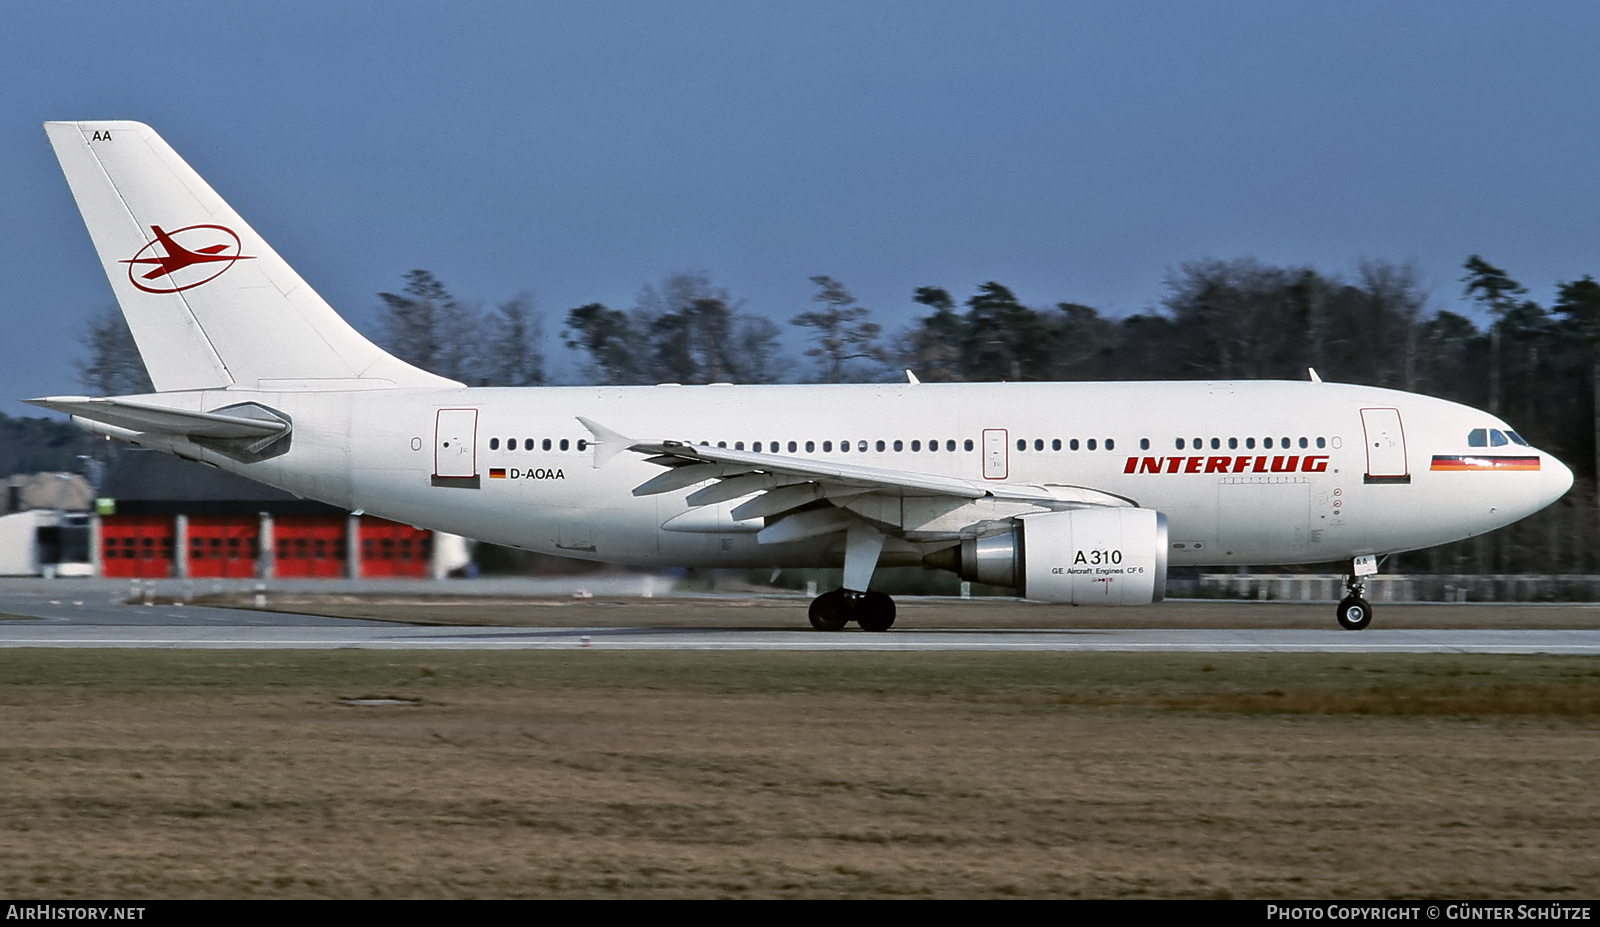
(99, 618)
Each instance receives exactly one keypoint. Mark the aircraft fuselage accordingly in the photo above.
(1247, 472)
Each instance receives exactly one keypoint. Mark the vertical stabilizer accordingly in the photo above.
(211, 305)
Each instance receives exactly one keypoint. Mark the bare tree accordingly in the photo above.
(511, 355)
(426, 326)
(841, 331)
(113, 366)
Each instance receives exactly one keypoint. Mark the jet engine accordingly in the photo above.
(1100, 556)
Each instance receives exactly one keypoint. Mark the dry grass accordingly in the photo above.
(600, 774)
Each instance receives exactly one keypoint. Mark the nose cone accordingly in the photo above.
(1555, 478)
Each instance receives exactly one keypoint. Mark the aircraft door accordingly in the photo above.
(1386, 446)
(996, 464)
(455, 444)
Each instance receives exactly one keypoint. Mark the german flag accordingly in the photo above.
(497, 473)
(1477, 462)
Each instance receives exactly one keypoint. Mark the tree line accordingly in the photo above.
(1536, 366)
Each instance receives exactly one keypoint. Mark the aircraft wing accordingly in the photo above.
(245, 421)
(803, 497)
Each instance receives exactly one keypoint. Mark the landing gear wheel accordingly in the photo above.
(830, 611)
(874, 611)
(1354, 613)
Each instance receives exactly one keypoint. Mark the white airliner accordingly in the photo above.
(1078, 493)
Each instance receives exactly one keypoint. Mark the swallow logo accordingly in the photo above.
(184, 258)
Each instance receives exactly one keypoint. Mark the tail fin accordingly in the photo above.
(211, 305)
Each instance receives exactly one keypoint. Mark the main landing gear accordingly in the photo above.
(831, 611)
(1355, 612)
(874, 611)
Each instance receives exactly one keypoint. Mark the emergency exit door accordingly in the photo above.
(1386, 446)
(996, 460)
(455, 448)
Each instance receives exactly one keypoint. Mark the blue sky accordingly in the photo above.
(578, 151)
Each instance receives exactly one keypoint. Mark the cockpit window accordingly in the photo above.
(1494, 437)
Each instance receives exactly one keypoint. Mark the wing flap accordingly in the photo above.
(786, 491)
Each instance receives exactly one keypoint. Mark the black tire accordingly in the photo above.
(829, 611)
(1355, 613)
(875, 612)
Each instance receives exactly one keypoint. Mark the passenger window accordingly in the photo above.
(1304, 443)
(1111, 444)
(528, 444)
(1091, 444)
(1179, 442)
(793, 447)
(1496, 439)
(1266, 443)
(494, 444)
(722, 444)
(827, 447)
(737, 445)
(1233, 444)
(1073, 444)
(1216, 444)
(583, 444)
(1322, 442)
(899, 446)
(844, 447)
(811, 447)
(1038, 444)
(966, 445)
(916, 445)
(950, 444)
(563, 444)
(1286, 444)
(1022, 444)
(1144, 444)
(879, 446)
(1055, 445)
(1198, 444)
(1250, 443)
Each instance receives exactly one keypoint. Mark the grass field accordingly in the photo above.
(132, 774)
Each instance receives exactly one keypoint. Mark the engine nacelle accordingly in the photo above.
(1111, 556)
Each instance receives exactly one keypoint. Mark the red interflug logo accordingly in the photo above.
(1282, 463)
(184, 258)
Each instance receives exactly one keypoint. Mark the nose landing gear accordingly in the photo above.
(1355, 612)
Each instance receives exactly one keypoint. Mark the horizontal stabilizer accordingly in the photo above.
(246, 421)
